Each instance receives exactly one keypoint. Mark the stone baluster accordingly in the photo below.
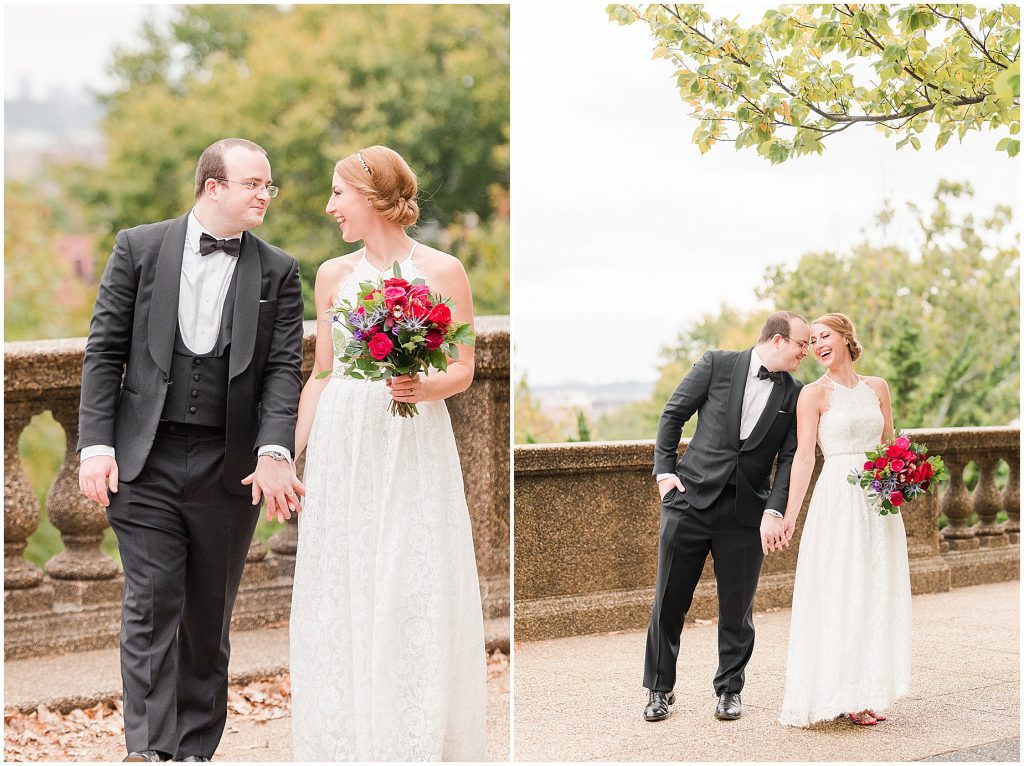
(956, 505)
(21, 509)
(82, 573)
(987, 503)
(1011, 497)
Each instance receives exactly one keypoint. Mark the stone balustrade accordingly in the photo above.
(75, 603)
(587, 518)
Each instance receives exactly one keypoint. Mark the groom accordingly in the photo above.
(190, 388)
(718, 499)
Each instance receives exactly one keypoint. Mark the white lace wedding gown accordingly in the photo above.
(849, 638)
(387, 644)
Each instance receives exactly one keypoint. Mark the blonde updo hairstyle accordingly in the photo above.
(386, 180)
(841, 324)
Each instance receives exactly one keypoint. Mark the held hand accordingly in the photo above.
(276, 482)
(788, 527)
(95, 476)
(667, 483)
(773, 536)
(406, 388)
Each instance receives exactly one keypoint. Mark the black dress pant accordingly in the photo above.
(183, 541)
(687, 536)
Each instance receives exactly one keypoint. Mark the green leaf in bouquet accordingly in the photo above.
(417, 339)
(419, 281)
(410, 346)
(357, 374)
(396, 270)
(323, 374)
(464, 335)
(439, 360)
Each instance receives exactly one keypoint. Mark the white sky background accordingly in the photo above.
(67, 46)
(623, 232)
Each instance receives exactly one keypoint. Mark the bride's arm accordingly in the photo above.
(808, 411)
(451, 281)
(328, 276)
(881, 389)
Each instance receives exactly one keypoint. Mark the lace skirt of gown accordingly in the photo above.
(850, 632)
(387, 646)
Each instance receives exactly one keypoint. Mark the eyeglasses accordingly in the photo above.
(253, 186)
(801, 343)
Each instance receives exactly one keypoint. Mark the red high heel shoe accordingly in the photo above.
(862, 719)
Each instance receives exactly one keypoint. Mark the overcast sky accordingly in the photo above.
(617, 216)
(66, 46)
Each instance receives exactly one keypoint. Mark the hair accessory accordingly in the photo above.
(359, 156)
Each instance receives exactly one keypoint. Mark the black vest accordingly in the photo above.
(198, 393)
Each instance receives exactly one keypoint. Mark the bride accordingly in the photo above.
(387, 646)
(849, 639)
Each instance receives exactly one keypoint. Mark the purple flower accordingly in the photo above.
(876, 486)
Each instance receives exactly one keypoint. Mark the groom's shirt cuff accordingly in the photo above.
(274, 448)
(95, 451)
(661, 476)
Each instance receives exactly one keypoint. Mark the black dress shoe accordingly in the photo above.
(729, 708)
(142, 756)
(657, 705)
(194, 759)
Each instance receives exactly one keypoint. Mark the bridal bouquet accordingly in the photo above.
(896, 472)
(396, 327)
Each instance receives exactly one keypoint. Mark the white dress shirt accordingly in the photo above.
(202, 292)
(755, 397)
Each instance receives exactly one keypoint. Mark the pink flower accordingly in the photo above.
(897, 465)
(903, 443)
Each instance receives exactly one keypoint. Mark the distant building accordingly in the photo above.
(65, 125)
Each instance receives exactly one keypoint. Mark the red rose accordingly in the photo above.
(380, 346)
(419, 292)
(893, 451)
(896, 498)
(927, 471)
(868, 466)
(878, 474)
(882, 462)
(434, 339)
(395, 282)
(418, 310)
(441, 315)
(897, 465)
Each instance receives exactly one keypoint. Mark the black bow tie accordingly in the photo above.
(208, 244)
(763, 373)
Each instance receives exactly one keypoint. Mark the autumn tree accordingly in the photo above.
(803, 73)
(312, 83)
(939, 319)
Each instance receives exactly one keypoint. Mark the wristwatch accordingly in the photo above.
(772, 512)
(276, 455)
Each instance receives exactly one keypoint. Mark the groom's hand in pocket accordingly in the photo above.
(664, 485)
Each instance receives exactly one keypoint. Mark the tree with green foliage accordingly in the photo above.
(939, 321)
(311, 84)
(803, 73)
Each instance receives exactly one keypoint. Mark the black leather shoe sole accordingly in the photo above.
(652, 717)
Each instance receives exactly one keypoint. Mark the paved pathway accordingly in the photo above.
(581, 698)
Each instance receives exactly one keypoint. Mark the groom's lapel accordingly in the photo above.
(735, 408)
(244, 320)
(768, 415)
(163, 307)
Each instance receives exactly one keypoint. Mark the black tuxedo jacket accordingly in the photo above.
(131, 342)
(714, 390)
